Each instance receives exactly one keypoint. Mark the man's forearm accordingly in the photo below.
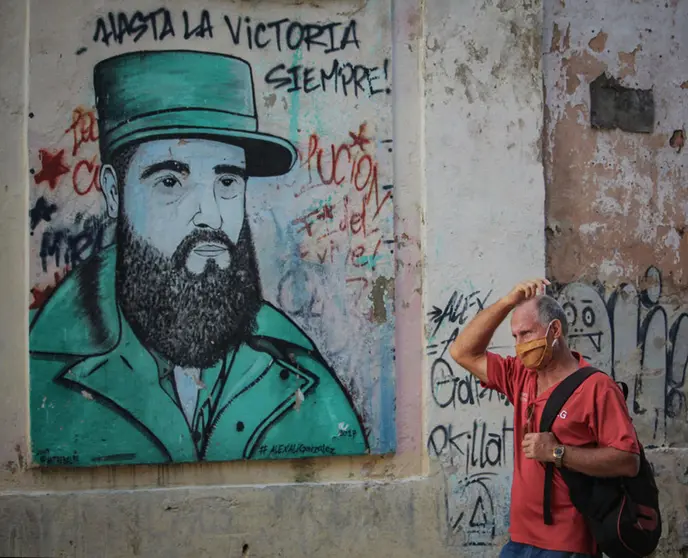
(476, 335)
(601, 462)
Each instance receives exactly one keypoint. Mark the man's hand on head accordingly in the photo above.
(526, 290)
(539, 446)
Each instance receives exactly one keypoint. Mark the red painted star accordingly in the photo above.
(53, 167)
(360, 139)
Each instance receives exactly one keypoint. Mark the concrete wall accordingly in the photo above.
(469, 218)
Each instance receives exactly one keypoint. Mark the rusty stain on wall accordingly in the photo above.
(598, 42)
(627, 62)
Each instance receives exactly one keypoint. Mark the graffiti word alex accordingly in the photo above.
(282, 35)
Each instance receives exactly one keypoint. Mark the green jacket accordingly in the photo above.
(98, 396)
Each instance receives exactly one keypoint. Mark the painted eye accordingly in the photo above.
(571, 314)
(228, 181)
(588, 316)
(168, 181)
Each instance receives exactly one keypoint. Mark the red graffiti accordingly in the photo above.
(41, 295)
(84, 128)
(348, 161)
(89, 177)
(360, 139)
(52, 167)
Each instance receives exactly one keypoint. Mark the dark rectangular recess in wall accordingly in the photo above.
(614, 106)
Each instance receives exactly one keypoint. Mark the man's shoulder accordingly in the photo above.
(80, 317)
(274, 324)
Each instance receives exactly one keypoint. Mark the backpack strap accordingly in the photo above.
(556, 401)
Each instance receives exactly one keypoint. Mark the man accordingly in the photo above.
(593, 434)
(160, 348)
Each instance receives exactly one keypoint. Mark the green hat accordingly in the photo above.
(179, 93)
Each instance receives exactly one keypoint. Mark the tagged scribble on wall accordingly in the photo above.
(211, 242)
(640, 336)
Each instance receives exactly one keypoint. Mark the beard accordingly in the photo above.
(189, 319)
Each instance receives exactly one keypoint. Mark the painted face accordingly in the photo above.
(187, 278)
(174, 188)
(589, 325)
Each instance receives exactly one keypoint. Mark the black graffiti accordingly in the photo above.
(448, 389)
(45, 458)
(67, 247)
(477, 517)
(456, 310)
(660, 345)
(41, 211)
(115, 26)
(340, 77)
(286, 34)
(479, 446)
(283, 34)
(295, 449)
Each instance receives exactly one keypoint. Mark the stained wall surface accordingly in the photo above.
(469, 202)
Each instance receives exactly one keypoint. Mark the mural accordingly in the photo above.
(205, 289)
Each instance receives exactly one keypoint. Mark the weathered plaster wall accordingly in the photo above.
(484, 232)
(616, 214)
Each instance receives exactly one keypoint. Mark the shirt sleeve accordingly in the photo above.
(613, 427)
(500, 375)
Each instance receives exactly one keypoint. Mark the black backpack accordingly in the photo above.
(622, 513)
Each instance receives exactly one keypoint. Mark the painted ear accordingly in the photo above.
(108, 184)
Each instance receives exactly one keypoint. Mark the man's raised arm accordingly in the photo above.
(470, 346)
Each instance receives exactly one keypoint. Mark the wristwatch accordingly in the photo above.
(558, 453)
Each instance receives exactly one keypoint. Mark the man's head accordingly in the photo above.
(539, 328)
(187, 276)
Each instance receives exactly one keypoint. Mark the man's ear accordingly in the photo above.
(108, 183)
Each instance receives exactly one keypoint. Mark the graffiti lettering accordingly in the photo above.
(84, 128)
(448, 389)
(292, 35)
(340, 77)
(295, 449)
(66, 247)
(114, 27)
(479, 446)
(282, 34)
(456, 309)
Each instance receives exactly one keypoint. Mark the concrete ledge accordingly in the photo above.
(400, 519)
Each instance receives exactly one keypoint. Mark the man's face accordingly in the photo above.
(525, 323)
(187, 278)
(176, 187)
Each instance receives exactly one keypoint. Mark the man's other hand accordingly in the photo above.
(539, 446)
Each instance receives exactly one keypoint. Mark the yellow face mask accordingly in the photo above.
(536, 354)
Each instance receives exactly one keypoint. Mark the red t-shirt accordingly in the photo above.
(595, 415)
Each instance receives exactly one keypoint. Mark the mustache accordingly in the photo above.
(199, 236)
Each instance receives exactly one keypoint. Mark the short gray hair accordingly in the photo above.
(549, 310)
